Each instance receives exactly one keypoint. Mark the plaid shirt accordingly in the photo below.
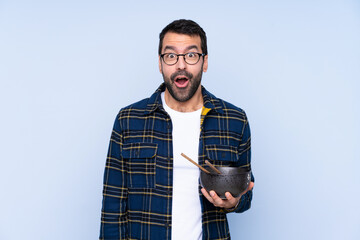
(137, 195)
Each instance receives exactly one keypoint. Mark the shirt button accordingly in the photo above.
(168, 126)
(167, 225)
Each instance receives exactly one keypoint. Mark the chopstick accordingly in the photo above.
(202, 169)
(212, 167)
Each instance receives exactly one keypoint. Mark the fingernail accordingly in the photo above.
(212, 193)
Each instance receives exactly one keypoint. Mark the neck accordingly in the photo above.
(191, 105)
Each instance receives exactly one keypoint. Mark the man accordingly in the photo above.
(150, 190)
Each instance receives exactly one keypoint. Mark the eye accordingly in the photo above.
(191, 55)
(171, 55)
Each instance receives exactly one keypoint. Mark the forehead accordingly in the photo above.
(180, 42)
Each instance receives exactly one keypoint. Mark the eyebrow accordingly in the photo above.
(186, 49)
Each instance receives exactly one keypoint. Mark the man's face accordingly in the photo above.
(181, 79)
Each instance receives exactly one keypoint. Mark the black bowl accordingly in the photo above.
(232, 179)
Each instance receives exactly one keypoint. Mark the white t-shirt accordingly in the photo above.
(186, 219)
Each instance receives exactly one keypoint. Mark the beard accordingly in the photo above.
(185, 94)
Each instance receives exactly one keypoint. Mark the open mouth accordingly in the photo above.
(181, 81)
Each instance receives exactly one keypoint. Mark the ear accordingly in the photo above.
(160, 67)
(205, 65)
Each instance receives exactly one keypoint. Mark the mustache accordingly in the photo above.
(181, 72)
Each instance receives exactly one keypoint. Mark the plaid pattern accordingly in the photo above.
(137, 194)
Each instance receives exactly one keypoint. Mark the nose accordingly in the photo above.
(181, 64)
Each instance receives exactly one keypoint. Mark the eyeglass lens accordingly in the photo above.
(190, 58)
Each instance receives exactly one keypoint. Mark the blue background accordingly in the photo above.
(67, 67)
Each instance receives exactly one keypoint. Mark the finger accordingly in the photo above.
(206, 194)
(251, 185)
(231, 200)
(217, 200)
(229, 196)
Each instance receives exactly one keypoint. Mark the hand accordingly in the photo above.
(229, 202)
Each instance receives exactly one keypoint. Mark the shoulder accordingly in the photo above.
(144, 106)
(138, 107)
(231, 109)
(225, 107)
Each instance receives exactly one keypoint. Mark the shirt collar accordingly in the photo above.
(210, 101)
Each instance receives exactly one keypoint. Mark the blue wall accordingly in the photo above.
(67, 67)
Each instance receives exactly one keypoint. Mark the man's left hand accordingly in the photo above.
(229, 202)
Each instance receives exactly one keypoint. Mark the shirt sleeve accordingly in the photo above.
(245, 157)
(114, 210)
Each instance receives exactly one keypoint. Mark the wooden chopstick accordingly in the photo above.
(202, 169)
(212, 167)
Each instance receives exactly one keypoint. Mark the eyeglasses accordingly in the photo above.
(190, 58)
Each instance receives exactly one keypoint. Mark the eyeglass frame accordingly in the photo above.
(183, 55)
